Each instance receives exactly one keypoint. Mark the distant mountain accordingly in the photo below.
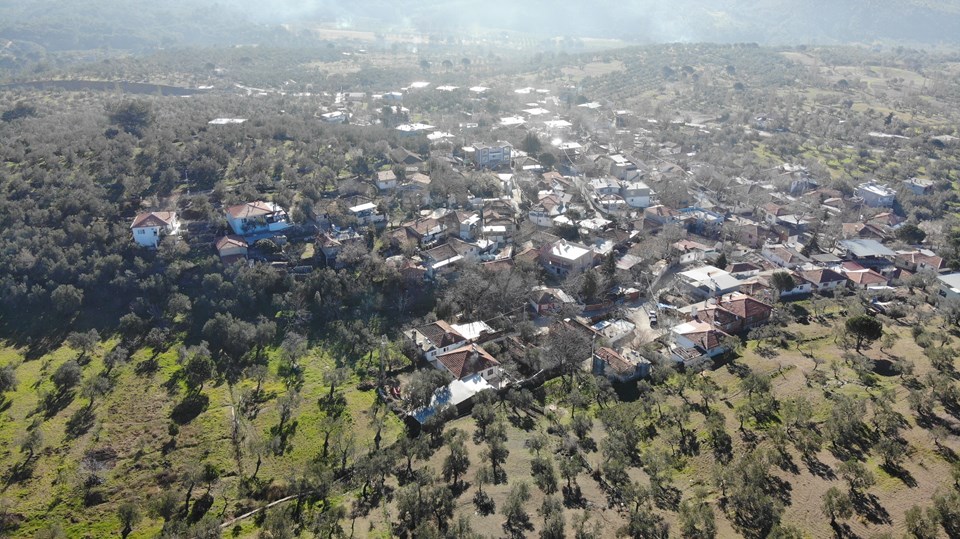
(762, 21)
(139, 24)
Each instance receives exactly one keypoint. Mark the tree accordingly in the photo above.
(67, 376)
(911, 233)
(544, 474)
(94, 387)
(66, 299)
(553, 522)
(118, 356)
(129, 515)
(531, 143)
(697, 520)
(31, 442)
(84, 342)
(836, 505)
(199, 368)
(517, 519)
(782, 281)
(456, 464)
(857, 476)
(8, 378)
(920, 524)
(864, 328)
(132, 116)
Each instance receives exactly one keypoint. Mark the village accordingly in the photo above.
(647, 258)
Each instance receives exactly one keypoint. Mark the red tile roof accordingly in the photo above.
(154, 218)
(618, 363)
(230, 241)
(467, 360)
(441, 334)
(251, 209)
(746, 307)
(821, 276)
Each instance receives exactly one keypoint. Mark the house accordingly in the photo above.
(914, 261)
(367, 213)
(744, 270)
(868, 231)
(441, 257)
(617, 165)
(771, 212)
(563, 258)
(605, 186)
(823, 280)
(919, 186)
(695, 341)
(783, 256)
(464, 225)
(875, 195)
(148, 228)
(435, 339)
(636, 193)
(546, 300)
(616, 332)
(870, 253)
(255, 218)
(331, 243)
(701, 221)
(457, 395)
(691, 251)
(949, 285)
(493, 155)
(427, 230)
(751, 311)
(232, 249)
(468, 361)
(617, 367)
(708, 281)
(386, 179)
(862, 277)
(661, 215)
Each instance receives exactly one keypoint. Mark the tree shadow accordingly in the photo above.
(781, 489)
(54, 403)
(843, 531)
(573, 497)
(80, 422)
(900, 473)
(147, 367)
(189, 408)
(20, 472)
(283, 434)
(668, 497)
(818, 468)
(484, 504)
(524, 423)
(868, 506)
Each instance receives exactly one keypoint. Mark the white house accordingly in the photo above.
(949, 285)
(565, 258)
(148, 228)
(876, 195)
(493, 155)
(256, 218)
(637, 194)
(367, 213)
(386, 179)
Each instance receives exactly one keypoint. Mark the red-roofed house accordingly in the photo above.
(824, 279)
(468, 360)
(148, 228)
(751, 311)
(625, 367)
(256, 218)
(435, 339)
(232, 249)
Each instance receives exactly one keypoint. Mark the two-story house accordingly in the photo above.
(255, 218)
(148, 228)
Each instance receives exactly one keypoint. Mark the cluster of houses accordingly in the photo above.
(731, 238)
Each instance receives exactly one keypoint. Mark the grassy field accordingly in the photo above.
(131, 450)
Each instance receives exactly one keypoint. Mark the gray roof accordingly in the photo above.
(862, 248)
(951, 279)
